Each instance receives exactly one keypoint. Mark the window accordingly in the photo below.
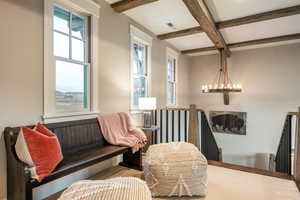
(70, 64)
(171, 77)
(140, 70)
(139, 74)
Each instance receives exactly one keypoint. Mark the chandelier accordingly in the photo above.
(222, 83)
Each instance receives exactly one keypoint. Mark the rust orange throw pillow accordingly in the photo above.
(40, 149)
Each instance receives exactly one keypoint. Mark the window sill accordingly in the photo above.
(61, 117)
(172, 106)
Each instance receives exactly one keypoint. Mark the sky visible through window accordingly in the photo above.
(69, 77)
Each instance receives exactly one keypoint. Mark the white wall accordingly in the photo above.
(21, 70)
(114, 58)
(270, 79)
(269, 76)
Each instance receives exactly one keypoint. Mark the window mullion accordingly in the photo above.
(71, 60)
(140, 76)
(70, 37)
(146, 59)
(60, 32)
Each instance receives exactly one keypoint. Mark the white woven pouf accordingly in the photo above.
(122, 188)
(175, 169)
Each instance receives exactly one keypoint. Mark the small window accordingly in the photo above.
(140, 76)
(171, 80)
(72, 67)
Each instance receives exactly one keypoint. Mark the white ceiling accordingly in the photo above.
(191, 41)
(264, 29)
(155, 16)
(231, 9)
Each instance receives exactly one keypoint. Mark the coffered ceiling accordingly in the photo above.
(156, 14)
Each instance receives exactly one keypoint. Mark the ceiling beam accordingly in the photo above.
(124, 5)
(285, 12)
(189, 31)
(247, 43)
(200, 12)
(199, 50)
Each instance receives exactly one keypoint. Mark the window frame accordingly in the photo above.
(173, 55)
(139, 37)
(87, 9)
(86, 59)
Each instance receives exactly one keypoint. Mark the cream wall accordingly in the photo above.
(21, 58)
(21, 71)
(270, 79)
(114, 57)
(260, 71)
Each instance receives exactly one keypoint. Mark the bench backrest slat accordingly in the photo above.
(74, 135)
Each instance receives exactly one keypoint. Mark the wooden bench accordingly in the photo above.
(82, 145)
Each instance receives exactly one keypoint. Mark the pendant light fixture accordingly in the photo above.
(222, 83)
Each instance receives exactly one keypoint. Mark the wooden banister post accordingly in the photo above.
(193, 126)
(297, 149)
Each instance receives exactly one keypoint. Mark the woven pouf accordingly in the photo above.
(123, 188)
(175, 169)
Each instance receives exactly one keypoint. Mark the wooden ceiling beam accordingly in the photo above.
(295, 10)
(199, 50)
(124, 5)
(200, 12)
(285, 12)
(181, 33)
(247, 43)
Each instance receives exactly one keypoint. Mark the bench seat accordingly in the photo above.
(82, 159)
(82, 145)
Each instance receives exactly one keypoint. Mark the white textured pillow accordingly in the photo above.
(122, 188)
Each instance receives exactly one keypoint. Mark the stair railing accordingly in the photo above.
(296, 159)
(173, 123)
(283, 162)
(186, 125)
(209, 145)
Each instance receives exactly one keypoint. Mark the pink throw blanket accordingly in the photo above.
(118, 129)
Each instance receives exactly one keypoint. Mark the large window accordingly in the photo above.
(171, 78)
(72, 65)
(140, 74)
(140, 70)
(70, 61)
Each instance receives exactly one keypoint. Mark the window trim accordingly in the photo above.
(138, 36)
(92, 9)
(170, 53)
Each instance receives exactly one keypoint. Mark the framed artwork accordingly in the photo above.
(228, 122)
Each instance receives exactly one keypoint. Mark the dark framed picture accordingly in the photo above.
(228, 122)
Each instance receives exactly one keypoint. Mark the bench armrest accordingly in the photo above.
(18, 177)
